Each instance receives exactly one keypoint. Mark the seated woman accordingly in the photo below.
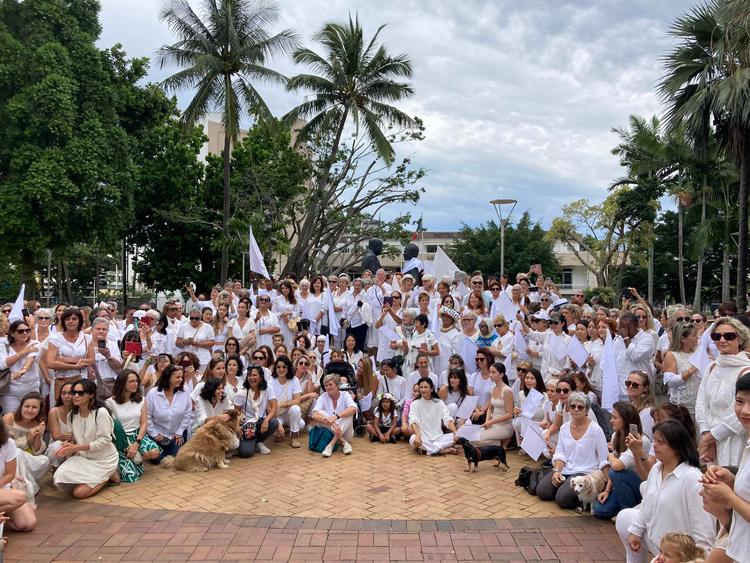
(335, 410)
(427, 415)
(641, 396)
(623, 486)
(92, 461)
(57, 420)
(498, 426)
(211, 403)
(288, 393)
(581, 449)
(367, 383)
(258, 404)
(26, 426)
(235, 370)
(13, 504)
(532, 379)
(149, 374)
(190, 375)
(671, 500)
(169, 410)
(127, 407)
(308, 382)
(455, 391)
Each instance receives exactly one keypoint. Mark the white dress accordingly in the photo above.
(95, 466)
(685, 393)
(52, 449)
(77, 349)
(286, 311)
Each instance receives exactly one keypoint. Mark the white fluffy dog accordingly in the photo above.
(588, 487)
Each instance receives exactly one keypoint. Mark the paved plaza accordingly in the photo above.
(382, 503)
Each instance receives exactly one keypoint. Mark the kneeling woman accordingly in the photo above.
(581, 449)
(426, 417)
(92, 460)
(169, 411)
(129, 410)
(258, 404)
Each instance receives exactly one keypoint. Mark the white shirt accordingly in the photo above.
(204, 333)
(554, 352)
(77, 349)
(204, 409)
(31, 377)
(482, 388)
(240, 332)
(584, 455)
(254, 409)
(165, 419)
(449, 343)
(639, 356)
(673, 504)
(415, 341)
(627, 458)
(8, 452)
(102, 364)
(129, 414)
(395, 386)
(415, 376)
(739, 535)
(324, 404)
(430, 416)
(268, 321)
(286, 391)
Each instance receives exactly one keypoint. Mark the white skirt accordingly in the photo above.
(79, 470)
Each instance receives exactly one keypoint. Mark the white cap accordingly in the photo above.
(541, 315)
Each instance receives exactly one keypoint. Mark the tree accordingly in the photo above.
(356, 82)
(223, 54)
(478, 248)
(706, 80)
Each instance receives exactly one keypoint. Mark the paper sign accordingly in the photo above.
(700, 358)
(390, 334)
(531, 404)
(519, 342)
(557, 345)
(533, 443)
(365, 402)
(469, 431)
(577, 352)
(467, 407)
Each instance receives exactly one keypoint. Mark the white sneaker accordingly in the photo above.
(261, 448)
(346, 448)
(327, 451)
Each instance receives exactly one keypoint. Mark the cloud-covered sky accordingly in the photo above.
(518, 98)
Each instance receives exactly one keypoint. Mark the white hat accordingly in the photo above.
(409, 276)
(139, 314)
(557, 303)
(541, 315)
(320, 338)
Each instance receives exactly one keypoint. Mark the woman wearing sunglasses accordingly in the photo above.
(21, 355)
(641, 396)
(722, 436)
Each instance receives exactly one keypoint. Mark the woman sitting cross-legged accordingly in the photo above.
(258, 403)
(581, 449)
(92, 460)
(427, 415)
(13, 504)
(170, 411)
(335, 410)
(128, 409)
(623, 485)
(57, 421)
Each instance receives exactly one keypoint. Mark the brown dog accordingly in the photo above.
(208, 446)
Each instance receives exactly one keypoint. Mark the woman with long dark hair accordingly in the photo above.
(92, 460)
(169, 410)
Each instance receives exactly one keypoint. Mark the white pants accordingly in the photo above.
(346, 425)
(433, 447)
(624, 520)
(292, 418)
(16, 392)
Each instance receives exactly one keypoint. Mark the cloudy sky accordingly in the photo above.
(518, 98)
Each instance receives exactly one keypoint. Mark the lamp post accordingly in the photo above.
(498, 205)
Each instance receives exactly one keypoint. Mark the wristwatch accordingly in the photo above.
(337, 416)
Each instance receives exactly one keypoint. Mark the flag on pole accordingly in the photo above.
(16, 314)
(257, 263)
(610, 380)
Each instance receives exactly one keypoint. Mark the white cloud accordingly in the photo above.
(517, 99)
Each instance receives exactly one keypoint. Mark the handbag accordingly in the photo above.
(319, 437)
(293, 323)
(247, 430)
(5, 376)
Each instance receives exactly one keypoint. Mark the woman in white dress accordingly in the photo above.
(21, 356)
(722, 436)
(57, 422)
(288, 393)
(498, 425)
(221, 327)
(288, 311)
(427, 415)
(69, 352)
(315, 302)
(242, 327)
(26, 426)
(531, 379)
(595, 347)
(92, 461)
(342, 299)
(681, 377)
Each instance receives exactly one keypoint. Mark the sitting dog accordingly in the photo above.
(208, 446)
(474, 454)
(588, 487)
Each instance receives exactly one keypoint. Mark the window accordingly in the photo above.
(431, 248)
(567, 276)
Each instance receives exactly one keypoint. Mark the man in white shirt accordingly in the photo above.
(266, 321)
(375, 296)
(423, 370)
(196, 337)
(108, 358)
(391, 382)
(639, 350)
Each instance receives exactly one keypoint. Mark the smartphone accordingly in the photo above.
(388, 300)
(299, 326)
(25, 312)
(136, 323)
(133, 348)
(627, 294)
(101, 344)
(634, 429)
(533, 289)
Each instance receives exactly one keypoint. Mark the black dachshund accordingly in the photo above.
(475, 455)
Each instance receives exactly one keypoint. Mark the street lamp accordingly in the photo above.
(498, 205)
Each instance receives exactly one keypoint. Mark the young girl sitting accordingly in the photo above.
(676, 547)
(384, 426)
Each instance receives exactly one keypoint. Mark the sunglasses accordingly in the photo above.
(23, 330)
(576, 407)
(698, 320)
(715, 336)
(633, 384)
(78, 393)
(6, 311)
(522, 370)
(561, 391)
(259, 358)
(495, 288)
(499, 325)
(554, 322)
(476, 283)
(480, 359)
(44, 318)
(681, 319)
(544, 299)
(195, 318)
(641, 317)
(302, 364)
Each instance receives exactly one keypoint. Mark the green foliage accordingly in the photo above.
(525, 244)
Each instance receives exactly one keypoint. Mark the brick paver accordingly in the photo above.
(383, 503)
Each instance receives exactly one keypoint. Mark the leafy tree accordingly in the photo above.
(478, 248)
(223, 54)
(354, 84)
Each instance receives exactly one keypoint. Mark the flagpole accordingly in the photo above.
(243, 270)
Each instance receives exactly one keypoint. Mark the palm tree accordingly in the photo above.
(223, 53)
(707, 79)
(355, 81)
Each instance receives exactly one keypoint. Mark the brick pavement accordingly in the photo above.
(296, 506)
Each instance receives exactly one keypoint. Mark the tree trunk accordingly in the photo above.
(680, 259)
(124, 272)
(225, 211)
(699, 275)
(742, 242)
(60, 278)
(66, 281)
(725, 273)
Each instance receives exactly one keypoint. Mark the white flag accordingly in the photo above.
(577, 352)
(16, 314)
(557, 345)
(443, 266)
(700, 358)
(505, 306)
(519, 342)
(257, 263)
(610, 380)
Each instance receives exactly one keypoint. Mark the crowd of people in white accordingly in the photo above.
(659, 401)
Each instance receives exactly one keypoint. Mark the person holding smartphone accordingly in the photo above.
(196, 337)
(107, 358)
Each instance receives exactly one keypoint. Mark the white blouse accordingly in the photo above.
(204, 409)
(168, 419)
(31, 376)
(324, 404)
(584, 455)
(129, 414)
(673, 503)
(429, 415)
